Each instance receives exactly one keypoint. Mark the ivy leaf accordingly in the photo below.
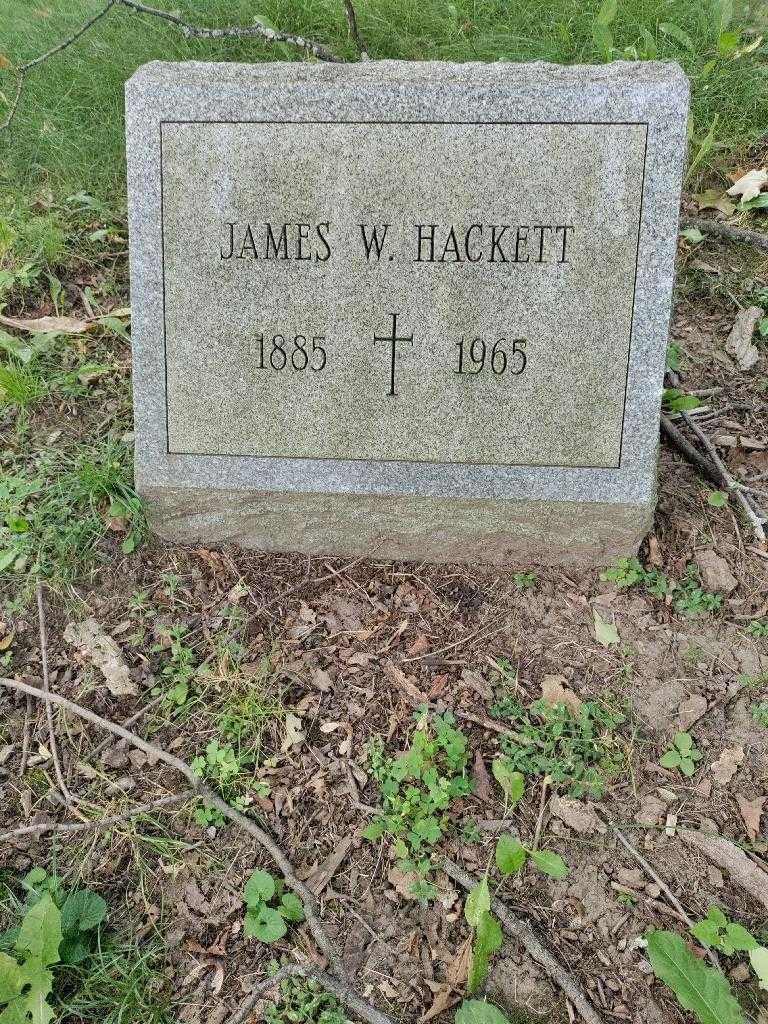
(717, 499)
(40, 932)
(700, 989)
(260, 887)
(488, 940)
(474, 1011)
(478, 902)
(291, 907)
(513, 783)
(511, 855)
(759, 959)
(82, 911)
(550, 863)
(264, 924)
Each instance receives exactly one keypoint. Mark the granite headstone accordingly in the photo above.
(414, 310)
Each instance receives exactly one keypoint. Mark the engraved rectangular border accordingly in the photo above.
(416, 462)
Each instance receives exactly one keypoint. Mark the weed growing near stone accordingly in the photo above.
(578, 752)
(688, 596)
(418, 788)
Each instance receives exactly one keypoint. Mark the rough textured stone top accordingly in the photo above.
(400, 279)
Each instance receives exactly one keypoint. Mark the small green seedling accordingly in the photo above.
(683, 755)
(262, 921)
(717, 932)
(758, 628)
(760, 713)
(717, 499)
(511, 857)
(304, 1001)
(525, 580)
(418, 788)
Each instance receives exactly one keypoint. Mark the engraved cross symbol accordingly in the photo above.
(393, 340)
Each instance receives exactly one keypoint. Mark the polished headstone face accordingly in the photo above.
(422, 305)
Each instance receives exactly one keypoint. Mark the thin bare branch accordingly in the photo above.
(354, 30)
(257, 29)
(521, 930)
(246, 824)
(344, 993)
(99, 823)
(710, 226)
(47, 687)
(656, 877)
(713, 467)
(25, 738)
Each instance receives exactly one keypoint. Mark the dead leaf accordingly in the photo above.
(690, 711)
(47, 324)
(751, 812)
(652, 810)
(605, 632)
(320, 877)
(714, 199)
(444, 1000)
(91, 640)
(748, 185)
(458, 968)
(405, 682)
(726, 766)
(555, 690)
(481, 779)
(739, 342)
(403, 881)
(579, 816)
(4, 62)
(294, 736)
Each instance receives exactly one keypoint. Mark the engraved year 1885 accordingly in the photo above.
(298, 352)
(476, 356)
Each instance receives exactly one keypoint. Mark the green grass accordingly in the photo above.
(68, 132)
(54, 512)
(118, 985)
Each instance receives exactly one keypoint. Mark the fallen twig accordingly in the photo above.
(257, 29)
(98, 823)
(212, 798)
(713, 467)
(46, 687)
(520, 929)
(709, 226)
(354, 31)
(25, 737)
(656, 877)
(728, 856)
(346, 995)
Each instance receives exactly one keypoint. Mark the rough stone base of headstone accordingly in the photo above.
(514, 533)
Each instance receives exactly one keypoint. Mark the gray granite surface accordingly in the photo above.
(532, 212)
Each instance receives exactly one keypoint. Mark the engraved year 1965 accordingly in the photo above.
(297, 353)
(503, 356)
